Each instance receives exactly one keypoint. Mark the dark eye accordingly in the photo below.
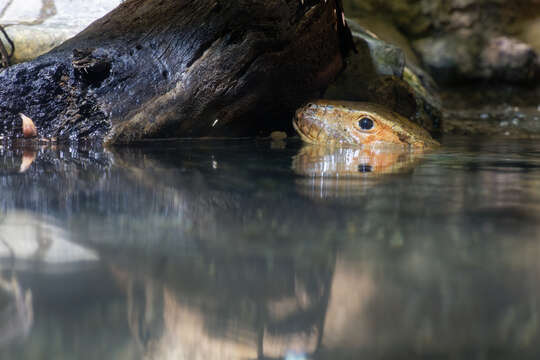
(365, 123)
(364, 168)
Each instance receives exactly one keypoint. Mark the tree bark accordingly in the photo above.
(180, 68)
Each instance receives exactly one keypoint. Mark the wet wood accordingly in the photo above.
(172, 68)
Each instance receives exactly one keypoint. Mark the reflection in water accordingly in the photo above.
(341, 172)
(16, 313)
(225, 308)
(423, 306)
(27, 159)
(27, 241)
(213, 251)
(321, 161)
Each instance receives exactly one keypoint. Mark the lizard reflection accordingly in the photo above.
(340, 172)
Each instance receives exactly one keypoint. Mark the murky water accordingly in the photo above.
(253, 249)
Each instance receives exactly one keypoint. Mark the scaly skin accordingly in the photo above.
(337, 123)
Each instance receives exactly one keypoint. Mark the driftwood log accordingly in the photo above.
(180, 68)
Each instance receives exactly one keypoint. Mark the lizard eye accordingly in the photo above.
(366, 123)
(364, 168)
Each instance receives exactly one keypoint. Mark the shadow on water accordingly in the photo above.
(252, 250)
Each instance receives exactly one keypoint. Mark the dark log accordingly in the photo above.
(180, 68)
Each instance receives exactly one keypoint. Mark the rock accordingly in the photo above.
(37, 26)
(510, 60)
(387, 59)
(278, 135)
(462, 41)
(400, 12)
(530, 33)
(490, 110)
(379, 72)
(449, 58)
(455, 58)
(495, 121)
(424, 18)
(389, 33)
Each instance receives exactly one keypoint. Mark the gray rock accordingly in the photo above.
(454, 58)
(37, 26)
(509, 59)
(449, 58)
(529, 32)
(462, 41)
(387, 59)
(492, 110)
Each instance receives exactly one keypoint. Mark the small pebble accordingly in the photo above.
(278, 135)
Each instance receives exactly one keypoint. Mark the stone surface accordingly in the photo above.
(449, 58)
(455, 58)
(492, 110)
(420, 18)
(509, 59)
(529, 32)
(37, 26)
(463, 41)
(388, 32)
(494, 121)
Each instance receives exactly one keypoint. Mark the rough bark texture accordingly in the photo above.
(174, 68)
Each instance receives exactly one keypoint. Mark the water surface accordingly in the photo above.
(258, 249)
